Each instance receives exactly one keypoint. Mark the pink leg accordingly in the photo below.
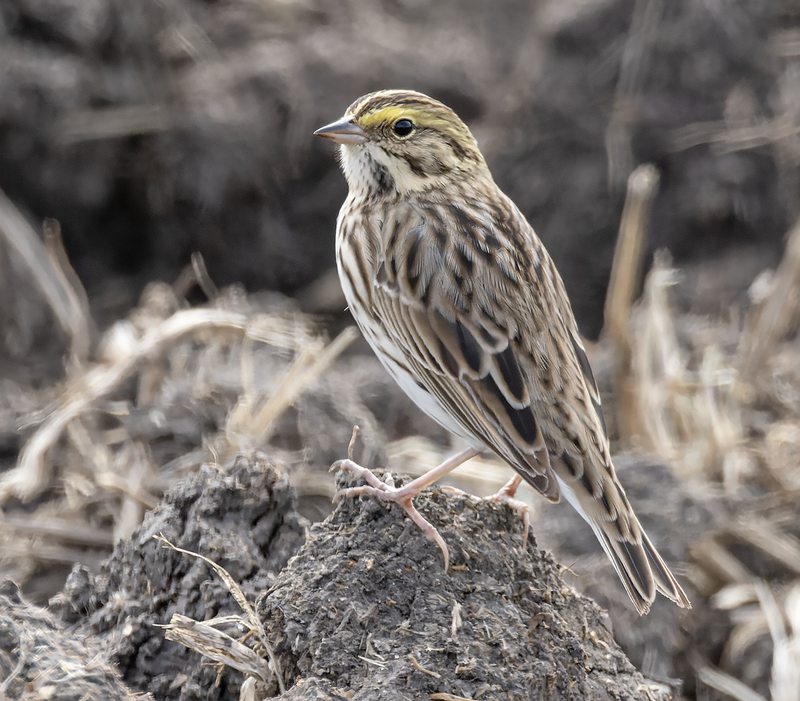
(403, 495)
(508, 495)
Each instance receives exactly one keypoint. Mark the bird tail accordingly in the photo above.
(635, 559)
(641, 569)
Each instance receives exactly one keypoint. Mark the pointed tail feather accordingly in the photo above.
(664, 579)
(642, 571)
(637, 563)
(633, 568)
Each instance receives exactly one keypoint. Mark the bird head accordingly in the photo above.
(401, 142)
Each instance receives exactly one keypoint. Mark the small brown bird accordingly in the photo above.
(463, 306)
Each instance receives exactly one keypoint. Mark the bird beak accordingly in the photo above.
(345, 131)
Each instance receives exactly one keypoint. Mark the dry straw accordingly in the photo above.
(208, 640)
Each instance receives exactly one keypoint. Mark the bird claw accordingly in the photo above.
(401, 496)
(507, 495)
(354, 468)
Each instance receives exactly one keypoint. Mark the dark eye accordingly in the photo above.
(403, 127)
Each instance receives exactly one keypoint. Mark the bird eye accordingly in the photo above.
(403, 127)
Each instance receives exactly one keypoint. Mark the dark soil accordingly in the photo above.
(243, 519)
(364, 610)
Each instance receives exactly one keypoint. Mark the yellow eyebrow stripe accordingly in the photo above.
(392, 113)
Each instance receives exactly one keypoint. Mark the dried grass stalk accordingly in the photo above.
(785, 684)
(624, 284)
(719, 680)
(727, 139)
(32, 473)
(220, 646)
(770, 321)
(692, 418)
(775, 544)
(659, 363)
(50, 272)
(248, 426)
(217, 645)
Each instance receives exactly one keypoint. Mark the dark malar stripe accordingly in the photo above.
(384, 183)
(439, 167)
(416, 165)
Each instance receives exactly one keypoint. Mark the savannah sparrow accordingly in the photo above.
(463, 305)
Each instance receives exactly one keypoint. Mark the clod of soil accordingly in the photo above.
(366, 611)
(243, 519)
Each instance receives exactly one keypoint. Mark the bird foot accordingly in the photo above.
(401, 496)
(506, 495)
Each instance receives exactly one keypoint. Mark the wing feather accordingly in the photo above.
(460, 350)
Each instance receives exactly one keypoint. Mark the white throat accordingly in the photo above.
(359, 165)
(357, 170)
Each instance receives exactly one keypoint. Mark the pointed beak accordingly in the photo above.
(345, 131)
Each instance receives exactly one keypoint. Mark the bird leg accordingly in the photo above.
(403, 495)
(508, 495)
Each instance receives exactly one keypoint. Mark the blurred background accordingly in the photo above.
(135, 135)
(154, 130)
